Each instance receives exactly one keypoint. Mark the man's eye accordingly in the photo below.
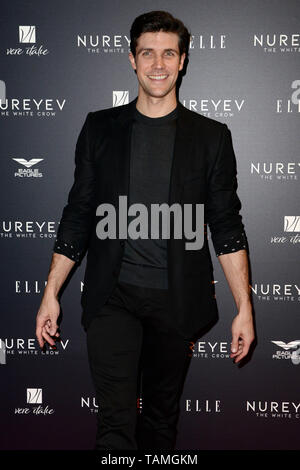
(170, 52)
(146, 52)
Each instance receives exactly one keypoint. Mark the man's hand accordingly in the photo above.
(46, 320)
(242, 333)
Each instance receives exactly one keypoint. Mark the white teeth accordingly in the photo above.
(157, 77)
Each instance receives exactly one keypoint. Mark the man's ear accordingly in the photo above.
(132, 60)
(182, 59)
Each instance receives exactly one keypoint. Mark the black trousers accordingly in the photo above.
(133, 352)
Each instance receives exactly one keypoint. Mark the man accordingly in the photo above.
(145, 298)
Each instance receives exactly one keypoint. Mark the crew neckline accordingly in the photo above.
(154, 121)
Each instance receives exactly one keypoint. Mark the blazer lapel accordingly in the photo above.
(121, 136)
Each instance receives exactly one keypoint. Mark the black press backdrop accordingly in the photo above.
(60, 60)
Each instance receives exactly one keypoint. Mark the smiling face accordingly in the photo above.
(157, 63)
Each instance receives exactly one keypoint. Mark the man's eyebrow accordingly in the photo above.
(151, 49)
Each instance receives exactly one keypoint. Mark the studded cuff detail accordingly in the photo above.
(66, 249)
(235, 243)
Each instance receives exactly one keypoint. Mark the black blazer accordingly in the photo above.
(203, 171)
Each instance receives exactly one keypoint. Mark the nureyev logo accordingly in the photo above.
(279, 171)
(97, 43)
(139, 227)
(31, 106)
(225, 107)
(276, 291)
(277, 42)
(27, 229)
(274, 409)
(27, 347)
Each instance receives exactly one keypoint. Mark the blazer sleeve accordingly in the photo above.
(223, 204)
(77, 215)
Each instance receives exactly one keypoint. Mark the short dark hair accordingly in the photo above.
(157, 20)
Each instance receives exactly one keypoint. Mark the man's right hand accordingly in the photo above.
(46, 320)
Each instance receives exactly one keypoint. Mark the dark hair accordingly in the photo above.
(157, 20)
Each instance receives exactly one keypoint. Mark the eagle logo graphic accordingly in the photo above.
(294, 345)
(28, 163)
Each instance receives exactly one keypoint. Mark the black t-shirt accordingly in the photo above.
(152, 143)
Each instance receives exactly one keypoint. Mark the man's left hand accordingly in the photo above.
(242, 334)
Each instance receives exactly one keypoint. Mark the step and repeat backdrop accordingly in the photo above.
(62, 59)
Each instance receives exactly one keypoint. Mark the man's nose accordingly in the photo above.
(158, 61)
